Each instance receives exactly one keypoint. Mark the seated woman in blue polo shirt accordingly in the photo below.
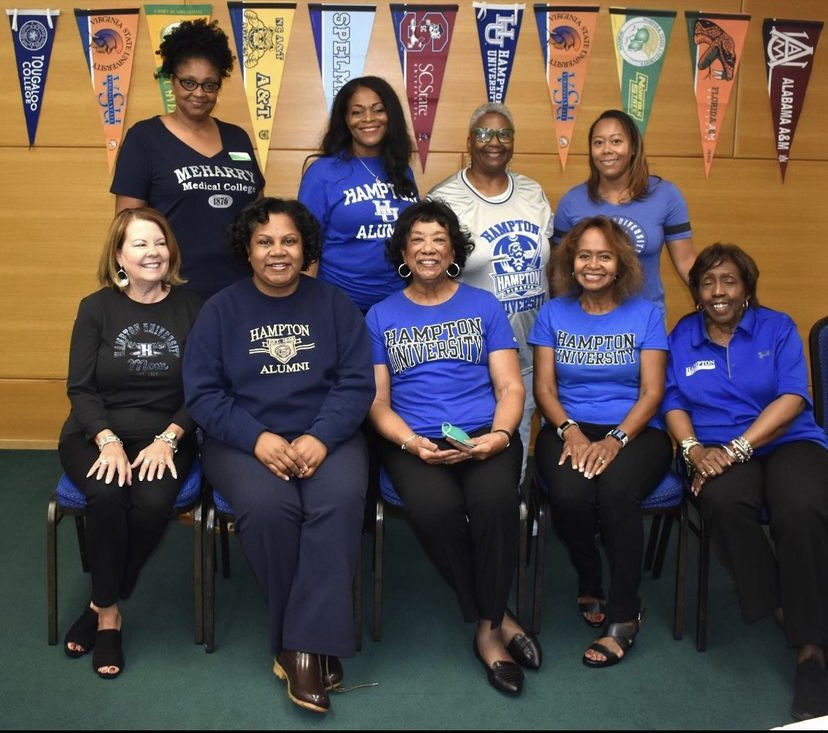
(737, 403)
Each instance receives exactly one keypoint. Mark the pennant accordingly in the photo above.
(33, 35)
(262, 33)
(108, 39)
(716, 42)
(641, 38)
(789, 57)
(341, 34)
(566, 36)
(161, 19)
(498, 28)
(423, 34)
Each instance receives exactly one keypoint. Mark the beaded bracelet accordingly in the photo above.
(742, 448)
(107, 439)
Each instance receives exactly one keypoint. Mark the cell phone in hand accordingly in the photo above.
(457, 437)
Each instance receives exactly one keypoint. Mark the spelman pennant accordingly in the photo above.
(498, 28)
(262, 33)
(341, 34)
(789, 56)
(161, 19)
(33, 33)
(566, 35)
(423, 35)
(641, 38)
(716, 43)
(108, 40)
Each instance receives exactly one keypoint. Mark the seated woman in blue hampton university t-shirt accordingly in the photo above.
(600, 355)
(444, 352)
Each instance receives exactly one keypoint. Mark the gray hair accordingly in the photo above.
(491, 108)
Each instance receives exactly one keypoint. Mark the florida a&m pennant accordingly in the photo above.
(498, 29)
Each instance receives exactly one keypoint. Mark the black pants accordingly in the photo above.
(124, 524)
(466, 516)
(792, 481)
(610, 502)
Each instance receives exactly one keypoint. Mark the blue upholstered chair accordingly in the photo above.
(666, 502)
(818, 342)
(67, 499)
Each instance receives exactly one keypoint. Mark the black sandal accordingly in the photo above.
(622, 633)
(586, 607)
(108, 653)
(809, 690)
(82, 633)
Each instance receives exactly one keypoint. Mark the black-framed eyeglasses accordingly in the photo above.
(485, 134)
(209, 87)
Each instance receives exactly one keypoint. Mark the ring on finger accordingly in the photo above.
(602, 459)
(103, 461)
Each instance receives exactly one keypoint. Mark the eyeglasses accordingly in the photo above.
(209, 87)
(485, 134)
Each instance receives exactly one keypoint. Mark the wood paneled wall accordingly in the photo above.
(56, 204)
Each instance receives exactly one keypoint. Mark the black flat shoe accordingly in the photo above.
(108, 653)
(504, 676)
(524, 647)
(810, 690)
(82, 633)
(623, 634)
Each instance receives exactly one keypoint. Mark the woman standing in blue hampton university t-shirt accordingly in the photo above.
(358, 187)
(600, 356)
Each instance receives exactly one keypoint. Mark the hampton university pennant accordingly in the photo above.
(262, 33)
(640, 40)
(789, 57)
(341, 34)
(33, 34)
(498, 28)
(161, 19)
(423, 34)
(108, 40)
(566, 36)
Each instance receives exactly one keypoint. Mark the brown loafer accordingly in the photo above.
(304, 679)
(332, 673)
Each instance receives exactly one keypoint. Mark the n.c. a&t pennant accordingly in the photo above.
(108, 39)
(498, 29)
(33, 34)
(262, 33)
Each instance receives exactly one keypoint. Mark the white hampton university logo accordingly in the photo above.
(699, 366)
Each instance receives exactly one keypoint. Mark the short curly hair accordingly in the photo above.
(258, 212)
(429, 210)
(715, 255)
(195, 39)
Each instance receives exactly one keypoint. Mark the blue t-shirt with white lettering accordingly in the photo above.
(357, 209)
(438, 357)
(598, 357)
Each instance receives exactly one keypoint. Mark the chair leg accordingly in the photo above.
(198, 572)
(655, 526)
(80, 528)
(703, 586)
(681, 576)
(379, 530)
(53, 516)
(663, 543)
(224, 531)
(209, 569)
(540, 554)
(521, 571)
(358, 597)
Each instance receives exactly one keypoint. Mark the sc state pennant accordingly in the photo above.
(341, 34)
(716, 42)
(108, 39)
(789, 57)
(33, 34)
(640, 40)
(161, 19)
(498, 29)
(262, 33)
(423, 34)
(566, 37)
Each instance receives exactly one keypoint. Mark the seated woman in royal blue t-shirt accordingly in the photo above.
(600, 355)
(737, 402)
(445, 353)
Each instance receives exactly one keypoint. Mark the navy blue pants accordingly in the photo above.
(301, 537)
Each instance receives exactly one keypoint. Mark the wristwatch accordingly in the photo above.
(170, 438)
(564, 426)
(619, 435)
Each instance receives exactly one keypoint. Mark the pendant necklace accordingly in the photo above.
(376, 177)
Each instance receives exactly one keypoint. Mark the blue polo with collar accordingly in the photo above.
(724, 389)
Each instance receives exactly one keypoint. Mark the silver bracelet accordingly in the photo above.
(405, 443)
(107, 439)
(170, 439)
(743, 449)
(686, 446)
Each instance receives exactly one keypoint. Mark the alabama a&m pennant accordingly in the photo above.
(423, 34)
(789, 57)
(341, 34)
(498, 28)
(566, 37)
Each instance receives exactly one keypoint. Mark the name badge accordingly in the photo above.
(239, 156)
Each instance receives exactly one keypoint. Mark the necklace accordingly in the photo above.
(376, 177)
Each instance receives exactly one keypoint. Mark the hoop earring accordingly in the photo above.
(573, 274)
(456, 270)
(699, 307)
(404, 275)
(747, 303)
(123, 279)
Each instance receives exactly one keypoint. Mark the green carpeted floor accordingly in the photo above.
(428, 677)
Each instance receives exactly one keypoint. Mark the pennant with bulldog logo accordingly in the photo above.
(498, 28)
(566, 37)
(161, 19)
(262, 33)
(423, 34)
(341, 34)
(33, 34)
(789, 57)
(641, 38)
(108, 39)
(716, 42)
